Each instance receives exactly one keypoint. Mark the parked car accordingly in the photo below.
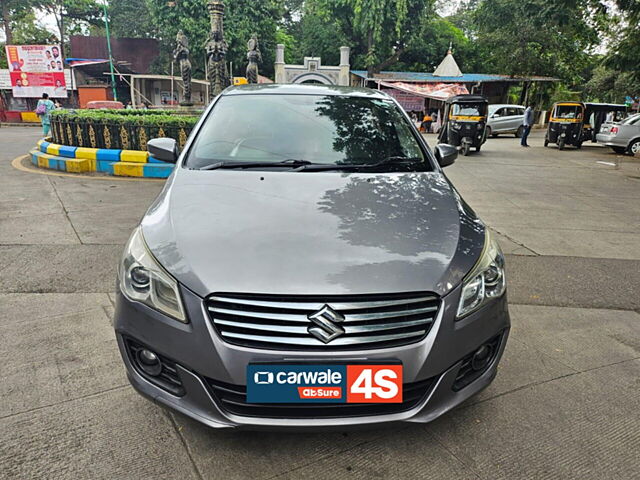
(622, 137)
(308, 264)
(505, 119)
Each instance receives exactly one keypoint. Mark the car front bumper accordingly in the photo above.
(200, 355)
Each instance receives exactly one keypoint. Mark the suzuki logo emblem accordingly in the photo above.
(325, 320)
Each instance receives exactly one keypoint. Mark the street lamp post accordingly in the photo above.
(113, 78)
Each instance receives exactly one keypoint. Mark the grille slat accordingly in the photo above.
(363, 321)
(302, 305)
(303, 330)
(340, 341)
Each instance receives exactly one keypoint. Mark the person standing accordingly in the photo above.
(426, 123)
(43, 110)
(527, 123)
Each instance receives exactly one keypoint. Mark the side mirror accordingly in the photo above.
(446, 154)
(165, 149)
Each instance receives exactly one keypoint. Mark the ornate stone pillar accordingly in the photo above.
(217, 50)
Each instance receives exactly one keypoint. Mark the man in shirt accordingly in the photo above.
(527, 123)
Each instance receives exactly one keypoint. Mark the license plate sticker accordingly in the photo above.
(358, 383)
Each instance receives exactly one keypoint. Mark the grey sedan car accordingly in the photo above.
(309, 265)
(623, 137)
(505, 119)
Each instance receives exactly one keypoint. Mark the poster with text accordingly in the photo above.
(36, 69)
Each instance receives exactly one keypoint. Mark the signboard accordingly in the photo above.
(36, 69)
(411, 103)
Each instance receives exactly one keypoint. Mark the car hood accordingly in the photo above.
(312, 233)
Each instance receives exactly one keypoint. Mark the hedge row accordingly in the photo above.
(119, 129)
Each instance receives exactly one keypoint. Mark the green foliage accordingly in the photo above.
(130, 19)
(379, 32)
(147, 118)
(537, 37)
(611, 86)
(625, 54)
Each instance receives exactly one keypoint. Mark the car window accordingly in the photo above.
(500, 112)
(514, 111)
(632, 120)
(333, 129)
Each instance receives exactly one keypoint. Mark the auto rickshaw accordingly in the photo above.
(573, 123)
(598, 113)
(465, 122)
(565, 125)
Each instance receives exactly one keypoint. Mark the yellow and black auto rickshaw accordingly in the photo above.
(565, 125)
(465, 121)
(573, 123)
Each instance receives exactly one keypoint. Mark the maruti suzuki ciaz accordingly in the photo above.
(308, 265)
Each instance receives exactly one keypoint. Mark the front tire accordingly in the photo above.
(465, 149)
(520, 132)
(561, 144)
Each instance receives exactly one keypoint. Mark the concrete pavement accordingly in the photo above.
(564, 405)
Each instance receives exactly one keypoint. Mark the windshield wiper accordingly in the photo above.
(391, 160)
(290, 162)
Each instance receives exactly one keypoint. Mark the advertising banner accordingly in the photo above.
(36, 69)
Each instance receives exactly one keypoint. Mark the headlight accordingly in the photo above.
(485, 281)
(143, 279)
(455, 125)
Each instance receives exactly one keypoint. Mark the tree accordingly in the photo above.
(379, 32)
(130, 19)
(537, 37)
(71, 14)
(625, 55)
(13, 12)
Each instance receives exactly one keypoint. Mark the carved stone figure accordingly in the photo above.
(181, 55)
(254, 56)
(217, 50)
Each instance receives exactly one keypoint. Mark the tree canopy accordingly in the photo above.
(593, 46)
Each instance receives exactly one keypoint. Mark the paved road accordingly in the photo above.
(564, 405)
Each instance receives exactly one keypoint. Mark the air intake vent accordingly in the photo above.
(232, 399)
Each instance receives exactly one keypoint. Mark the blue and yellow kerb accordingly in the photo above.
(124, 163)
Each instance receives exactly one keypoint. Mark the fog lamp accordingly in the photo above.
(149, 362)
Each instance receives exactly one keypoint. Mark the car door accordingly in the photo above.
(516, 118)
(498, 120)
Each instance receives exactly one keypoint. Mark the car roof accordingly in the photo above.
(467, 98)
(301, 89)
(502, 105)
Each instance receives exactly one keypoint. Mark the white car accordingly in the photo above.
(505, 119)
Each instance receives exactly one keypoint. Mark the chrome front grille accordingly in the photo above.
(322, 322)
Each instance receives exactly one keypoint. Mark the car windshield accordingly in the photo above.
(469, 109)
(567, 111)
(632, 120)
(322, 129)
